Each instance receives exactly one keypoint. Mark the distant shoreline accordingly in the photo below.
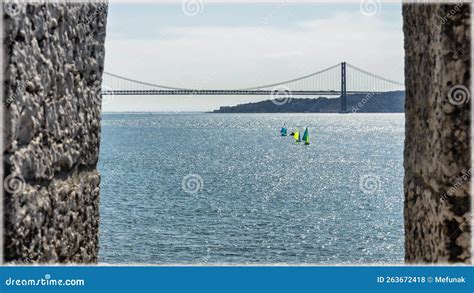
(388, 102)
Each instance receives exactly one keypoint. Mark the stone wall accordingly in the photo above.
(438, 132)
(53, 64)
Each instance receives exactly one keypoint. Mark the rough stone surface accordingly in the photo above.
(53, 64)
(438, 132)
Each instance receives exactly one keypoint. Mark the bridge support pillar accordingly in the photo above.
(343, 88)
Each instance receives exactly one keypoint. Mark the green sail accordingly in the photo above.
(306, 136)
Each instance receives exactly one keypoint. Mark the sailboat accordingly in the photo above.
(297, 136)
(284, 131)
(306, 137)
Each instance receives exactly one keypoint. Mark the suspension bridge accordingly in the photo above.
(338, 80)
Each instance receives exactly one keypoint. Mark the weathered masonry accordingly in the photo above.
(438, 132)
(52, 69)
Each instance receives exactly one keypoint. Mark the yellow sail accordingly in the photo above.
(297, 135)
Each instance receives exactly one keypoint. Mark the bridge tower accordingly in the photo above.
(343, 88)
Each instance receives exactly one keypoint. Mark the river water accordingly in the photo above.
(227, 189)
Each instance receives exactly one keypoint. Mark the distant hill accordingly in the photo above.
(390, 102)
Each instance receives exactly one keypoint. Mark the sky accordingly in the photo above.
(199, 44)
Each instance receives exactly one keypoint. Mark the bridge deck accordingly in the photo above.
(228, 92)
